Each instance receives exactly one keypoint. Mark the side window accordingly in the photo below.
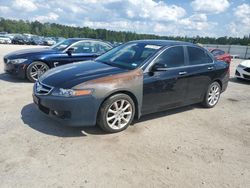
(84, 47)
(172, 57)
(198, 56)
(101, 48)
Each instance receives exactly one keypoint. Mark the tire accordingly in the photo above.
(110, 113)
(39, 66)
(212, 95)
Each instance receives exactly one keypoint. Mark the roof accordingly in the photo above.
(164, 42)
(79, 39)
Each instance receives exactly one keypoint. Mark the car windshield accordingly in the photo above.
(129, 56)
(62, 45)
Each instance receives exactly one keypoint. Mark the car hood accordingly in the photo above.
(30, 52)
(70, 75)
(245, 63)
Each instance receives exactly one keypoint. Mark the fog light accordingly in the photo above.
(56, 112)
(61, 114)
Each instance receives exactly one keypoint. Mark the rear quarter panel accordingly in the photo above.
(222, 73)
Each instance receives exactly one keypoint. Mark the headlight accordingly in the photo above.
(71, 92)
(17, 61)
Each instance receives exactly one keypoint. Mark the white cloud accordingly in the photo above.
(59, 10)
(242, 12)
(241, 24)
(26, 5)
(50, 17)
(210, 6)
(197, 22)
(4, 9)
(158, 11)
(141, 16)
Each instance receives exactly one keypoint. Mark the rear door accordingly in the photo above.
(166, 88)
(201, 70)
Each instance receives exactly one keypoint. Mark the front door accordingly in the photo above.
(165, 88)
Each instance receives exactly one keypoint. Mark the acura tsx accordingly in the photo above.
(134, 79)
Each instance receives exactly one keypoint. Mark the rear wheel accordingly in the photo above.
(35, 70)
(116, 113)
(212, 96)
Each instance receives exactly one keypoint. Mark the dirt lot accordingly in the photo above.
(186, 147)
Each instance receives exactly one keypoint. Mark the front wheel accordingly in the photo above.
(116, 113)
(212, 95)
(35, 70)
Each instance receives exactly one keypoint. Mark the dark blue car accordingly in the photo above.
(32, 63)
(136, 78)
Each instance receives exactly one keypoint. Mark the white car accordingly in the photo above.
(243, 70)
(5, 40)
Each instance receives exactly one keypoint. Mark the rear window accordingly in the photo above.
(198, 56)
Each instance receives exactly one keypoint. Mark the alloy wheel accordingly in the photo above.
(119, 114)
(37, 70)
(213, 95)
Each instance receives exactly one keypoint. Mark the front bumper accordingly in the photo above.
(71, 111)
(241, 73)
(18, 70)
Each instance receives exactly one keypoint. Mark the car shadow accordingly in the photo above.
(32, 117)
(166, 113)
(10, 78)
(239, 81)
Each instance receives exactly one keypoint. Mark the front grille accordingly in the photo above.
(247, 70)
(246, 76)
(42, 89)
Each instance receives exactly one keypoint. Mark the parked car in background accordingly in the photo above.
(20, 39)
(3, 33)
(48, 41)
(32, 63)
(136, 78)
(58, 39)
(243, 70)
(4, 39)
(221, 55)
(36, 40)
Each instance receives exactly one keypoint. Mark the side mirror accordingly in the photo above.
(70, 51)
(159, 67)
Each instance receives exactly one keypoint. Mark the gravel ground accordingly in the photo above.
(185, 147)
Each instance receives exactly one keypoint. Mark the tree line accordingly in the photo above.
(58, 30)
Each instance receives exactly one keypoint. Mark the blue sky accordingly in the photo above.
(169, 17)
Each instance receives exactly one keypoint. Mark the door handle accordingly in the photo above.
(210, 68)
(182, 73)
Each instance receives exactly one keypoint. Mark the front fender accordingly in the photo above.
(131, 82)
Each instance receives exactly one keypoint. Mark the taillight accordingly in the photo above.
(228, 70)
